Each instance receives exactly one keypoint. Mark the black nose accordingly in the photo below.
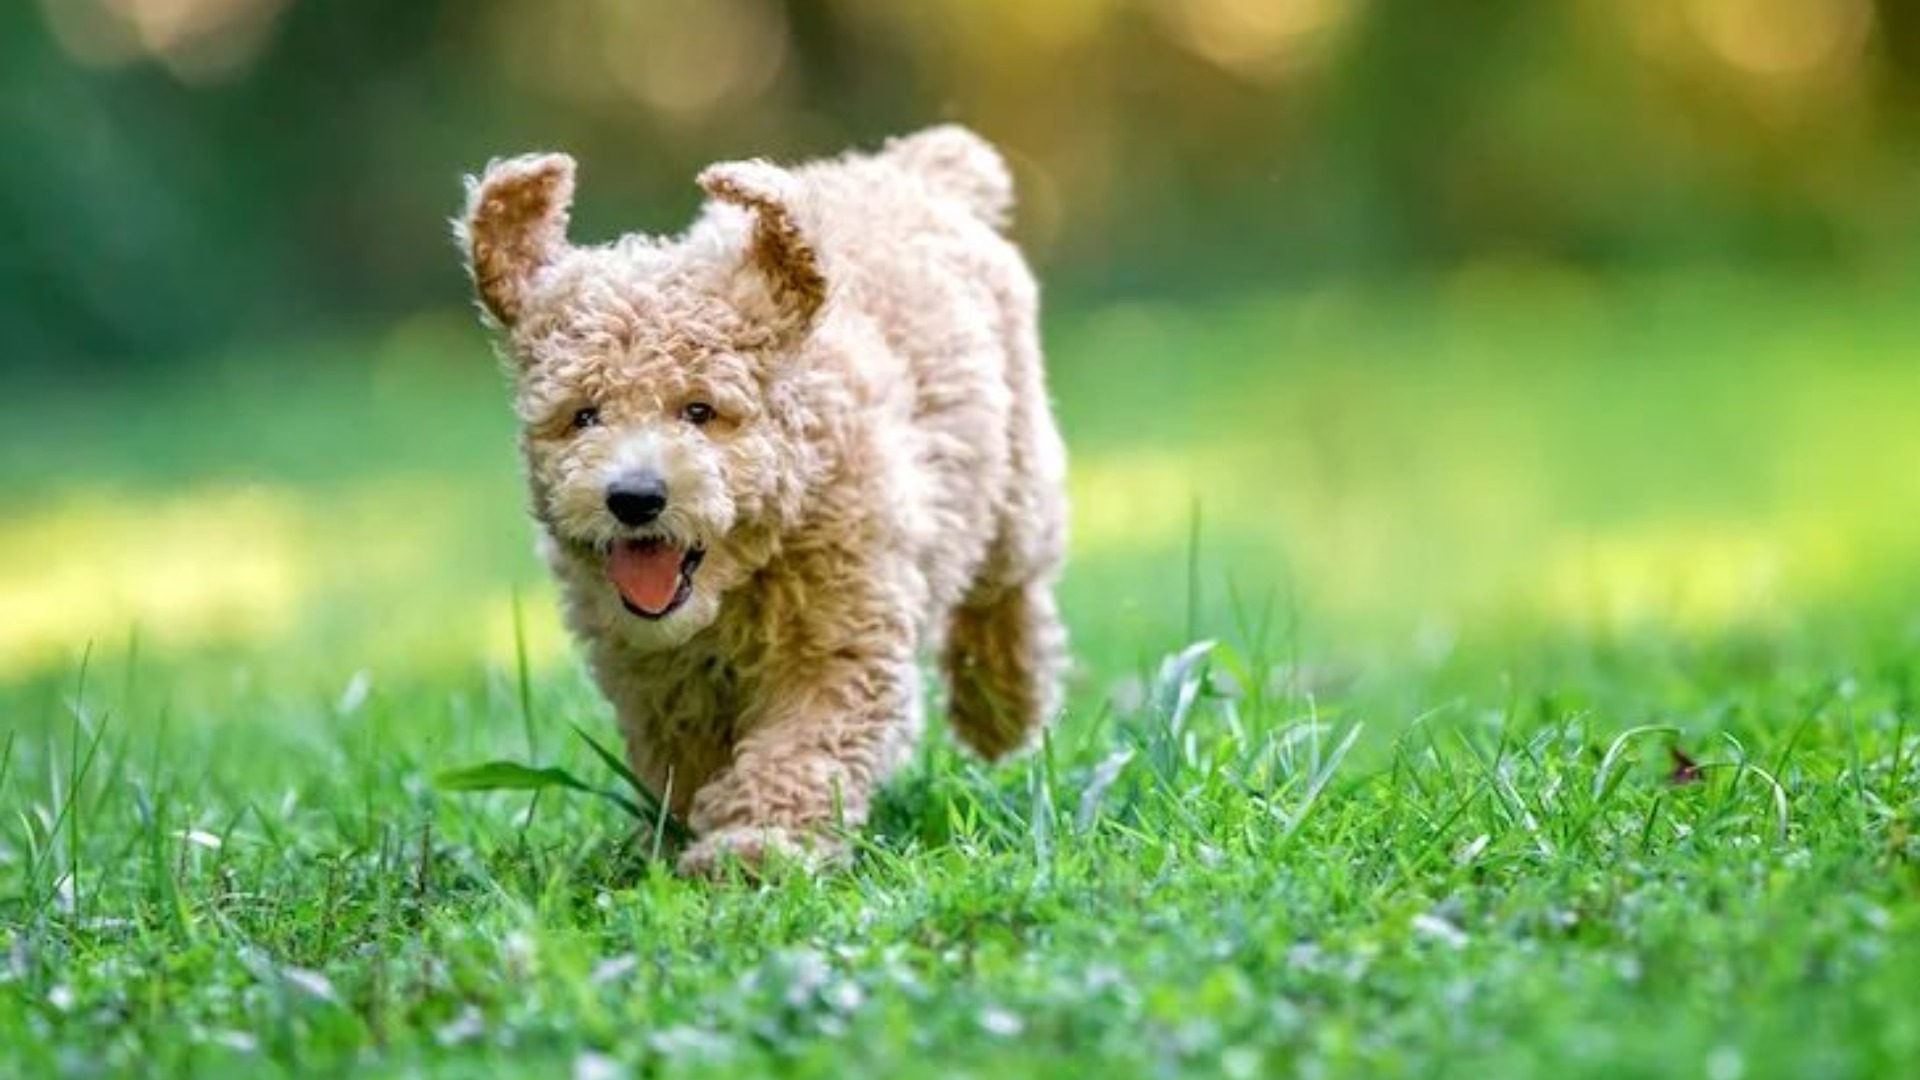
(637, 499)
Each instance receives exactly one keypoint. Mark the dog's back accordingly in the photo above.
(911, 238)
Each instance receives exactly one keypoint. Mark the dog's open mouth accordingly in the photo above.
(654, 576)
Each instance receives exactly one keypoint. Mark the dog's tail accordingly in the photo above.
(958, 165)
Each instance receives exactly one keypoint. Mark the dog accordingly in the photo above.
(776, 460)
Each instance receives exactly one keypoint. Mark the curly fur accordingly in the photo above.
(881, 477)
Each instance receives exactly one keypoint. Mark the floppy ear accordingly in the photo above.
(515, 226)
(778, 250)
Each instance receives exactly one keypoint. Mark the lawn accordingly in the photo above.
(1511, 677)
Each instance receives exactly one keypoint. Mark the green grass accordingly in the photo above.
(1477, 565)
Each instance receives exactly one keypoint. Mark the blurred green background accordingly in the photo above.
(1425, 317)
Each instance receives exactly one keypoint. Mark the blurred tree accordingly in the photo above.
(190, 173)
(1899, 25)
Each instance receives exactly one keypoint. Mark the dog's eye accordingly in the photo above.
(586, 418)
(698, 413)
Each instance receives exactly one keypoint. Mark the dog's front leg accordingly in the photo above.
(825, 725)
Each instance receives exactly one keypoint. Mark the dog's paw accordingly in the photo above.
(755, 853)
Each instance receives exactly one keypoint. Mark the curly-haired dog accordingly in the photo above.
(778, 457)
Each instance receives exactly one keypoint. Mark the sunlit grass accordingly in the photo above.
(396, 569)
(210, 565)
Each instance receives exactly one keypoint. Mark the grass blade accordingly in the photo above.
(508, 776)
(644, 794)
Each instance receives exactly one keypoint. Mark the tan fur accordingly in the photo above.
(883, 479)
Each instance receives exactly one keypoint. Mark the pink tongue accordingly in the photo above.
(647, 574)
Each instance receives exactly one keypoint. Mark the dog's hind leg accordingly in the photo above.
(1004, 656)
(1006, 648)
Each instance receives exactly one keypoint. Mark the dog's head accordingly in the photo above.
(655, 383)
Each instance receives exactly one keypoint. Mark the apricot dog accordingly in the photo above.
(776, 459)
